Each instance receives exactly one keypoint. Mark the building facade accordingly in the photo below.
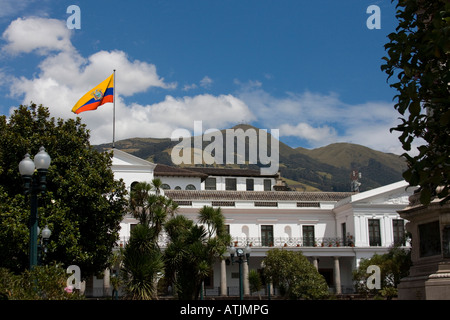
(334, 230)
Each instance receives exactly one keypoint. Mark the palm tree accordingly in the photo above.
(150, 207)
(143, 260)
(193, 249)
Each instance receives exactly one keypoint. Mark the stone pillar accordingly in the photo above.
(245, 278)
(316, 263)
(429, 275)
(106, 283)
(337, 275)
(223, 278)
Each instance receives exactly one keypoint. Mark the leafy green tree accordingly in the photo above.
(296, 277)
(193, 249)
(419, 60)
(42, 283)
(394, 265)
(255, 282)
(83, 205)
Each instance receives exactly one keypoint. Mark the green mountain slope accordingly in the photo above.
(327, 168)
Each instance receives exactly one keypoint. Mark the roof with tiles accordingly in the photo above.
(163, 170)
(256, 195)
(229, 172)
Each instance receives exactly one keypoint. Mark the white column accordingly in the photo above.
(223, 278)
(245, 278)
(316, 263)
(337, 275)
(106, 283)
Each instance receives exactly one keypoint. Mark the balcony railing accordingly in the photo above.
(291, 242)
(272, 242)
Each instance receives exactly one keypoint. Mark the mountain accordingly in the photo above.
(323, 169)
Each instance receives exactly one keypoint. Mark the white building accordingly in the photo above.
(333, 229)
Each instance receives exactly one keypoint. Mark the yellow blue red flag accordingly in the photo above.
(101, 94)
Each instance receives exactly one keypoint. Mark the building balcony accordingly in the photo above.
(291, 242)
(276, 242)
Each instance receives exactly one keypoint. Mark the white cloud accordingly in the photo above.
(37, 34)
(321, 119)
(206, 82)
(188, 87)
(159, 120)
(65, 76)
(11, 8)
(320, 136)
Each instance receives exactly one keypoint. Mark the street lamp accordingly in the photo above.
(240, 254)
(42, 245)
(33, 185)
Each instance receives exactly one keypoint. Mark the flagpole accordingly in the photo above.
(114, 109)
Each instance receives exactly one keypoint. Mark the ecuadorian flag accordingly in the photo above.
(101, 94)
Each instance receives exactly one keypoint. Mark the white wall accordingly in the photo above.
(181, 182)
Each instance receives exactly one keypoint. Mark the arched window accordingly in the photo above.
(165, 186)
(133, 185)
(177, 188)
(190, 187)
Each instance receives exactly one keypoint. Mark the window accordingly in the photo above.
(308, 236)
(133, 186)
(344, 233)
(374, 232)
(177, 188)
(230, 183)
(429, 239)
(165, 186)
(398, 228)
(210, 184)
(446, 241)
(250, 184)
(190, 187)
(267, 236)
(267, 185)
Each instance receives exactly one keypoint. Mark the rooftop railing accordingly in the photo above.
(291, 242)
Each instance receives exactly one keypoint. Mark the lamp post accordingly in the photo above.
(240, 254)
(45, 236)
(33, 185)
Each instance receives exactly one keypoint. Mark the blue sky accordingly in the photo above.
(308, 68)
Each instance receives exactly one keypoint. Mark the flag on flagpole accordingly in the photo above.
(101, 94)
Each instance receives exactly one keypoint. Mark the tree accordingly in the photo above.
(296, 277)
(143, 261)
(41, 283)
(255, 282)
(83, 205)
(193, 249)
(418, 55)
(150, 207)
(394, 266)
